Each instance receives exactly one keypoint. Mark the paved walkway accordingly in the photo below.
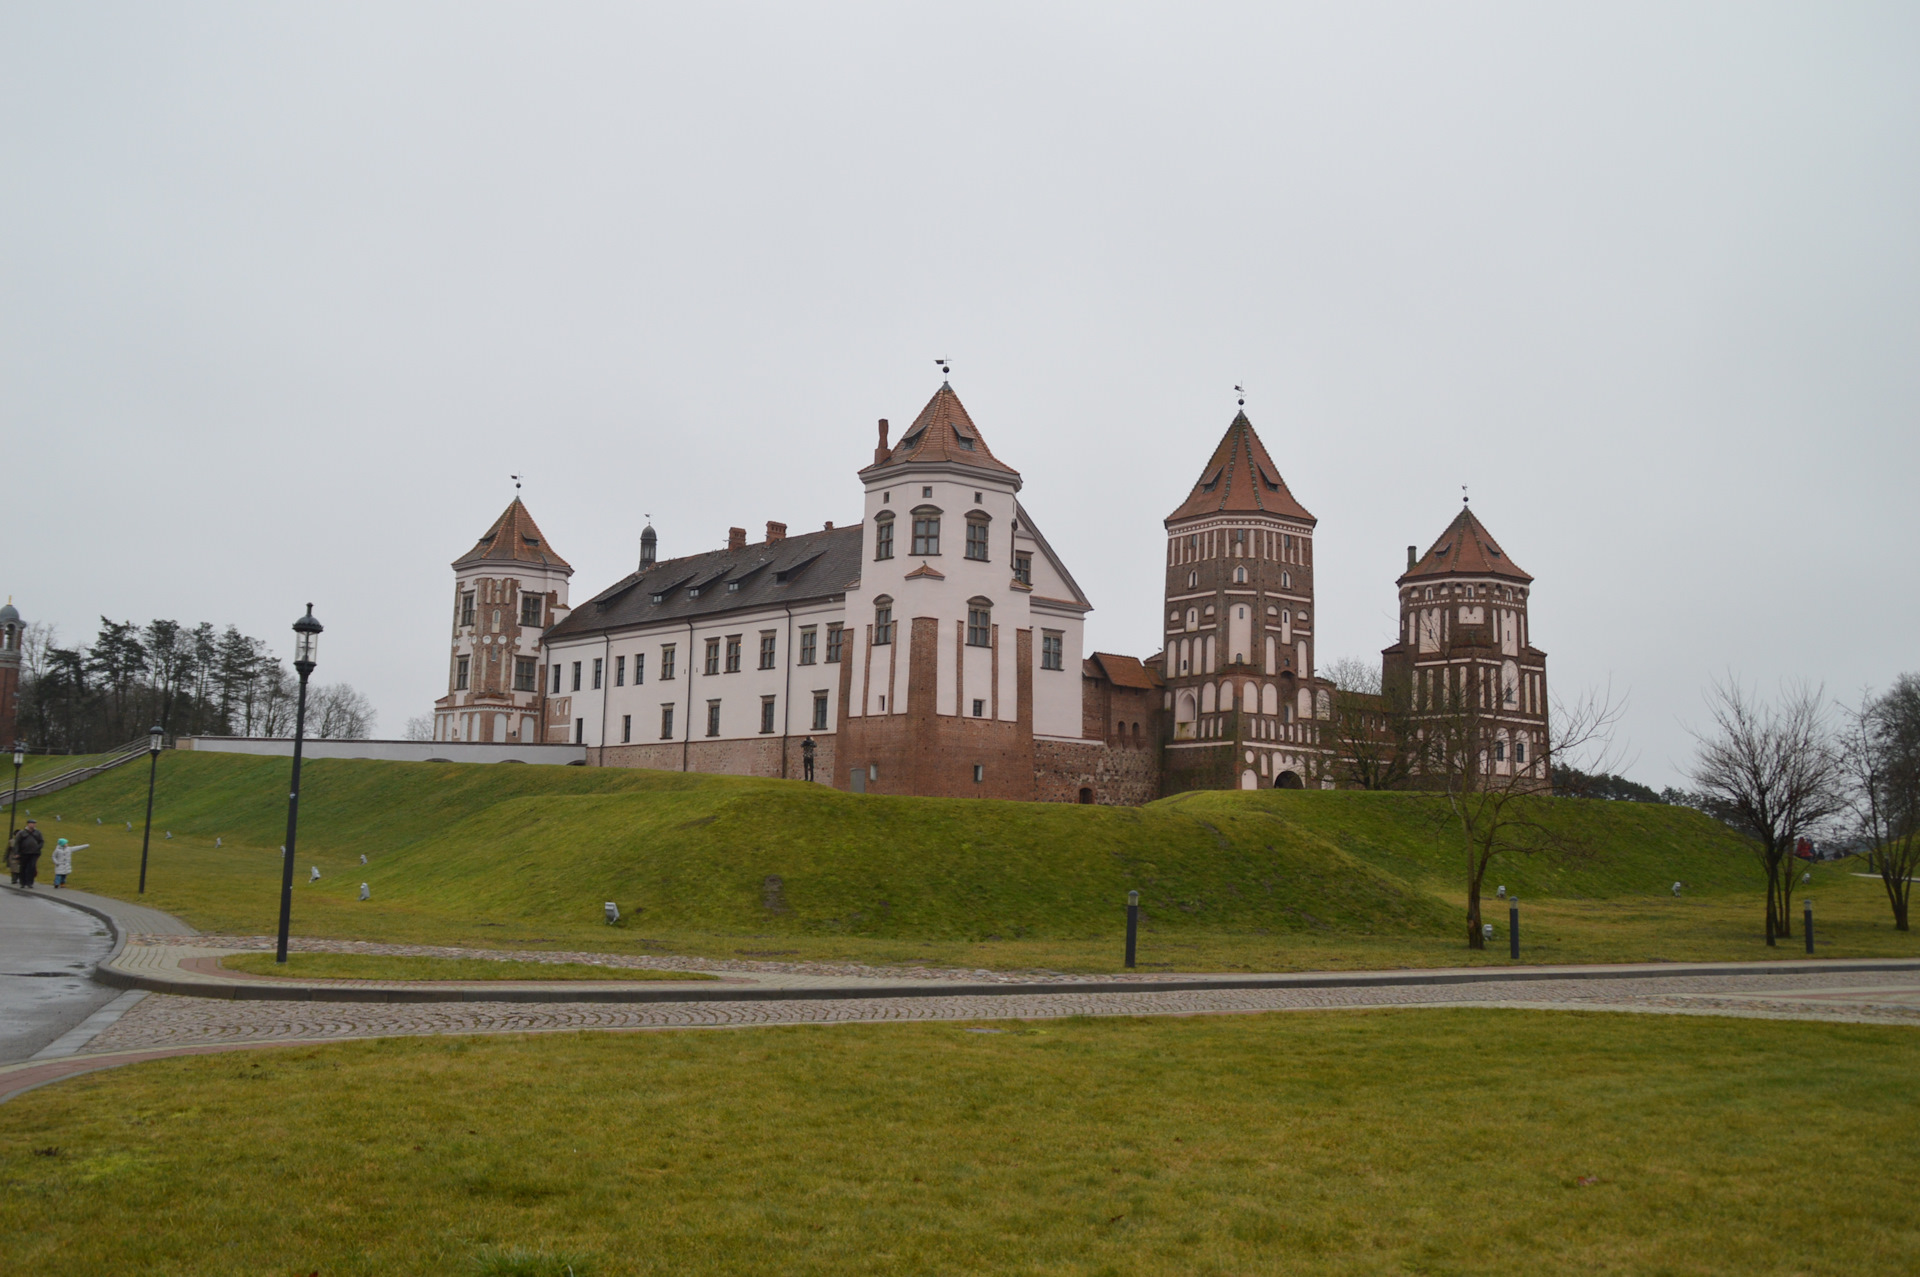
(169, 1024)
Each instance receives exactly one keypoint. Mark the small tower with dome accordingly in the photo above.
(12, 631)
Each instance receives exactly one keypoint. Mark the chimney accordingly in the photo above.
(776, 532)
(736, 538)
(1412, 557)
(829, 525)
(880, 453)
(649, 545)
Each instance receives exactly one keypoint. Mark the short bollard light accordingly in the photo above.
(1133, 925)
(1486, 931)
(1809, 921)
(1513, 926)
(613, 913)
(1501, 892)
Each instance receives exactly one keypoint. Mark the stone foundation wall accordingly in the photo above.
(1119, 775)
(752, 756)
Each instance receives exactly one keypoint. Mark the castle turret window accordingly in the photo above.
(977, 539)
(466, 608)
(883, 536)
(926, 532)
(460, 667)
(526, 674)
(529, 609)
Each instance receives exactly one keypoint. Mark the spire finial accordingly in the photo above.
(516, 483)
(1242, 392)
(945, 368)
(1463, 494)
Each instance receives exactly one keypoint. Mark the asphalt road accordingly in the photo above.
(47, 952)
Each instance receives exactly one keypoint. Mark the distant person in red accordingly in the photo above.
(24, 852)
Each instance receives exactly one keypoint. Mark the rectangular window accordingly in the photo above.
(713, 718)
(639, 668)
(599, 670)
(979, 627)
(835, 636)
(576, 676)
(1023, 568)
(526, 674)
(1499, 751)
(619, 671)
(977, 541)
(460, 666)
(766, 713)
(713, 656)
(979, 773)
(1052, 650)
(819, 711)
(808, 636)
(1519, 751)
(666, 662)
(926, 534)
(882, 625)
(579, 731)
(626, 728)
(529, 609)
(733, 653)
(556, 678)
(883, 538)
(766, 649)
(979, 708)
(466, 609)
(666, 722)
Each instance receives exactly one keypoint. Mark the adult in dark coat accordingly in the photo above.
(26, 848)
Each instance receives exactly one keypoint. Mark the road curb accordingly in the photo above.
(252, 991)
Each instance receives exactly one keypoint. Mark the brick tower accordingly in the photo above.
(12, 629)
(1239, 661)
(507, 590)
(1464, 641)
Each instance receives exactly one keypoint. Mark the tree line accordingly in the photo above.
(190, 680)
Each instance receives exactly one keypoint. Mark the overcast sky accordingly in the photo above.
(290, 290)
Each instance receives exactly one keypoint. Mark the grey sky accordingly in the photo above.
(290, 290)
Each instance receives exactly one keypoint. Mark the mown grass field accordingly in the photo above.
(505, 856)
(39, 767)
(376, 966)
(1435, 1141)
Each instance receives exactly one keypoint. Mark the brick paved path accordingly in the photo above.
(163, 1021)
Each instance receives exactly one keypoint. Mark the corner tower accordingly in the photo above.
(12, 631)
(1464, 640)
(1246, 708)
(507, 590)
(963, 630)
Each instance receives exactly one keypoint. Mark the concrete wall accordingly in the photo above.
(404, 751)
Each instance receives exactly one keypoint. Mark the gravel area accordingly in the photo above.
(166, 1021)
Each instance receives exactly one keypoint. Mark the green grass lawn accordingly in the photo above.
(503, 856)
(1441, 1141)
(374, 966)
(39, 767)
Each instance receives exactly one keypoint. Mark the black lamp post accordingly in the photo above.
(306, 647)
(154, 740)
(19, 757)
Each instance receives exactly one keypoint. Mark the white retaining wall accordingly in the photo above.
(403, 751)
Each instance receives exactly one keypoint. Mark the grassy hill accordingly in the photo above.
(526, 855)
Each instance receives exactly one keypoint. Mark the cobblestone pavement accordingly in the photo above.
(163, 1021)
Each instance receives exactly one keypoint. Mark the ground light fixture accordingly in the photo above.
(306, 652)
(156, 739)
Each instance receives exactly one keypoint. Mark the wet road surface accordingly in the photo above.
(46, 954)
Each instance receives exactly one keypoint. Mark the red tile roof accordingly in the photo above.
(943, 432)
(1466, 548)
(1125, 671)
(514, 537)
(1240, 476)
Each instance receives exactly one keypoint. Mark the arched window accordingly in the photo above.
(1193, 580)
(883, 620)
(926, 531)
(1239, 576)
(1286, 580)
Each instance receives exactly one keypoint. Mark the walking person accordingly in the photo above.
(63, 860)
(26, 849)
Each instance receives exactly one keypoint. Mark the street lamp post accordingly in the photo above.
(306, 647)
(19, 757)
(154, 740)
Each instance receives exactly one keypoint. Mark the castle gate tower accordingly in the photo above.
(1464, 643)
(1246, 709)
(12, 630)
(507, 590)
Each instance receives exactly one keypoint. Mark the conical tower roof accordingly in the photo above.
(943, 432)
(1240, 476)
(1466, 548)
(515, 538)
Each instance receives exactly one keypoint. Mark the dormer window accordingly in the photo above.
(966, 444)
(733, 587)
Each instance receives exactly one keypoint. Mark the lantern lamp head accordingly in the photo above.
(19, 752)
(306, 641)
(155, 735)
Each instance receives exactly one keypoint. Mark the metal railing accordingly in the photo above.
(126, 753)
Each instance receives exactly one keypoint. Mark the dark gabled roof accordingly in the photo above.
(513, 538)
(1466, 548)
(943, 432)
(800, 569)
(1241, 478)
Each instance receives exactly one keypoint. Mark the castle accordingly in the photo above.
(935, 647)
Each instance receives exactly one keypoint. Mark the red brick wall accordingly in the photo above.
(1118, 775)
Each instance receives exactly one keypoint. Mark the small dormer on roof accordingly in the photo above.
(1466, 548)
(1241, 478)
(514, 538)
(943, 433)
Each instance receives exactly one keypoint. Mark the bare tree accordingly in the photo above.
(339, 712)
(419, 727)
(1880, 752)
(1773, 773)
(1495, 795)
(1372, 730)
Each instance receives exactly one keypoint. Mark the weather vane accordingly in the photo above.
(944, 370)
(516, 481)
(1463, 494)
(1242, 392)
